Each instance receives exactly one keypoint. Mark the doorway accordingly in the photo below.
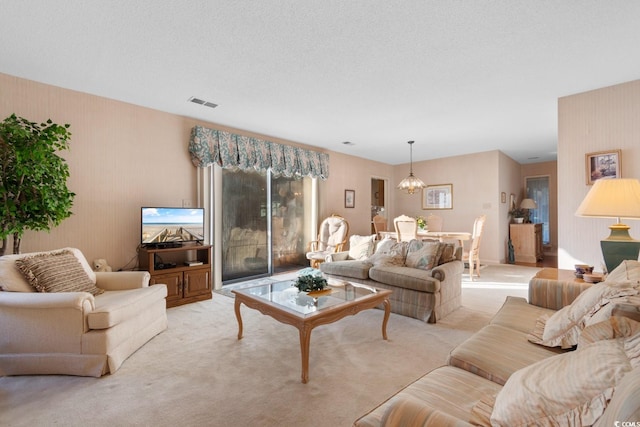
(378, 199)
(537, 188)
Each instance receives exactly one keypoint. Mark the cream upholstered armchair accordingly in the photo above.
(57, 316)
(332, 236)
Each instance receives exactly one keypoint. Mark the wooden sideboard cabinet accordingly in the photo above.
(527, 242)
(185, 283)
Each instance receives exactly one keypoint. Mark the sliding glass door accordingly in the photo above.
(263, 218)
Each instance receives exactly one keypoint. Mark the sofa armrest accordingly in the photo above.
(337, 256)
(45, 300)
(448, 269)
(34, 322)
(554, 294)
(408, 411)
(122, 280)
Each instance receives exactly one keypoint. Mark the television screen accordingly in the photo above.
(165, 226)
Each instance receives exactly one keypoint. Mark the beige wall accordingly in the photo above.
(352, 173)
(602, 119)
(477, 181)
(125, 156)
(122, 157)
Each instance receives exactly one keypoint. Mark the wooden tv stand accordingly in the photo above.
(185, 283)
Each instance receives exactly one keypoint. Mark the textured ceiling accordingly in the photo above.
(455, 76)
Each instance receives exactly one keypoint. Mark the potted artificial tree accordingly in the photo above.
(33, 178)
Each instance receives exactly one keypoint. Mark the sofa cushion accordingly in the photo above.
(350, 268)
(405, 277)
(564, 326)
(114, 307)
(495, 352)
(569, 389)
(57, 271)
(361, 247)
(516, 313)
(422, 255)
(447, 389)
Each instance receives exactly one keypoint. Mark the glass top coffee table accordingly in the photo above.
(305, 311)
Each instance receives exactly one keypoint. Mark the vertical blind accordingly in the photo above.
(211, 146)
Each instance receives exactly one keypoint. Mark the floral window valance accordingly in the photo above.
(228, 150)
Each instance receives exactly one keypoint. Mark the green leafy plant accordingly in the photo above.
(33, 178)
(422, 223)
(517, 212)
(310, 283)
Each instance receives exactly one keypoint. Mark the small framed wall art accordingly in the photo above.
(349, 198)
(602, 164)
(437, 196)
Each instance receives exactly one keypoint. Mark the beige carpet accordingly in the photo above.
(198, 374)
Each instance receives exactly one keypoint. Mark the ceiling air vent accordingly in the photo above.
(202, 102)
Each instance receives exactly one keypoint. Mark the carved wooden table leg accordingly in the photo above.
(387, 311)
(237, 310)
(305, 343)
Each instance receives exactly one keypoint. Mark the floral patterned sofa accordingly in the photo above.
(425, 277)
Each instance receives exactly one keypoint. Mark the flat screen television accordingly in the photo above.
(170, 227)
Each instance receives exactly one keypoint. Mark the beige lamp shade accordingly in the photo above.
(528, 204)
(612, 198)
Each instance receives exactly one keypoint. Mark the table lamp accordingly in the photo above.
(614, 198)
(528, 204)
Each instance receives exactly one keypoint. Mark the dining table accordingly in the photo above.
(460, 236)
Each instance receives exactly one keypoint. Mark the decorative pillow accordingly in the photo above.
(361, 247)
(564, 326)
(379, 260)
(613, 327)
(628, 270)
(570, 389)
(56, 272)
(423, 257)
(385, 245)
(448, 253)
(389, 253)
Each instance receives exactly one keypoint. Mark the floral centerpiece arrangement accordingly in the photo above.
(310, 282)
(422, 223)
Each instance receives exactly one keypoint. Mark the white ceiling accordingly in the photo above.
(457, 76)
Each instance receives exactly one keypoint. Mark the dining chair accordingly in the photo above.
(332, 236)
(434, 222)
(406, 228)
(379, 224)
(472, 257)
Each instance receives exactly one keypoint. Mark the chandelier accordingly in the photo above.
(411, 183)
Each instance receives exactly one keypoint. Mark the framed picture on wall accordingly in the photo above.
(601, 165)
(437, 196)
(349, 198)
